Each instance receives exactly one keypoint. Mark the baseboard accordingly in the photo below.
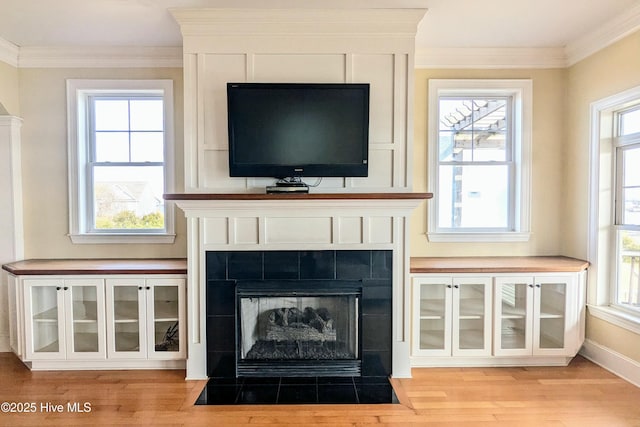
(612, 361)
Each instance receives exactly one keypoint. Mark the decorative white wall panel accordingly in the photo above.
(373, 46)
(299, 231)
(350, 230)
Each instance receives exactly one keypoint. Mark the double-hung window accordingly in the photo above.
(627, 208)
(614, 210)
(479, 159)
(120, 149)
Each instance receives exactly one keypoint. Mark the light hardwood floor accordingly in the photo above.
(581, 394)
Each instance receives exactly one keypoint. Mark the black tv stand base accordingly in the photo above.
(290, 185)
(289, 188)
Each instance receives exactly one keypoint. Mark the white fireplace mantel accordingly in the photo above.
(314, 222)
(336, 42)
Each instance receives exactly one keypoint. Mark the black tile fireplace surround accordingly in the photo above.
(367, 273)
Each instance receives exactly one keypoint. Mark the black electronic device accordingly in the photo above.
(283, 130)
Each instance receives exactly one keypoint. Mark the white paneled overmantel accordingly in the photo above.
(361, 45)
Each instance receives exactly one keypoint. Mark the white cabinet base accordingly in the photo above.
(460, 362)
(80, 365)
(54, 308)
(548, 301)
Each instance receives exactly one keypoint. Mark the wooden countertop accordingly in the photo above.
(97, 266)
(304, 196)
(528, 264)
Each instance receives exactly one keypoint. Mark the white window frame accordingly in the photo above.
(78, 91)
(521, 93)
(602, 238)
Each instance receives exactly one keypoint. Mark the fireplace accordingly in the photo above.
(298, 328)
(320, 313)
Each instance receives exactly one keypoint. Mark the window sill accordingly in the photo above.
(122, 238)
(623, 319)
(479, 237)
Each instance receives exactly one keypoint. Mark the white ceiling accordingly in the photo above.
(447, 23)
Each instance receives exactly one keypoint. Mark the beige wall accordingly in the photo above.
(9, 96)
(606, 73)
(547, 165)
(44, 162)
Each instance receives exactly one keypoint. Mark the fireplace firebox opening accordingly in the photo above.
(291, 328)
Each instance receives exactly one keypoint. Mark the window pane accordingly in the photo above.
(631, 186)
(128, 197)
(630, 122)
(147, 146)
(112, 147)
(629, 270)
(474, 196)
(147, 114)
(473, 129)
(111, 114)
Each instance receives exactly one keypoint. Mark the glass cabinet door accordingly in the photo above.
(165, 308)
(513, 316)
(433, 309)
(125, 318)
(45, 319)
(84, 303)
(471, 316)
(551, 309)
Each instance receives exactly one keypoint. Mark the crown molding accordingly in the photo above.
(100, 57)
(490, 58)
(603, 36)
(9, 52)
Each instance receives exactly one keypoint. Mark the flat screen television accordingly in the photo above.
(284, 130)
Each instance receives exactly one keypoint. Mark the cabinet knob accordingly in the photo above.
(139, 288)
(65, 288)
(456, 286)
(538, 285)
(58, 288)
(148, 287)
(449, 286)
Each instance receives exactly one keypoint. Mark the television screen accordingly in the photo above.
(285, 130)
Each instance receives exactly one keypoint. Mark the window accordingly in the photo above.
(120, 145)
(614, 210)
(479, 146)
(627, 208)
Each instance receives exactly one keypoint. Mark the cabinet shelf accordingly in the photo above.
(432, 309)
(85, 342)
(166, 311)
(47, 316)
(85, 312)
(511, 312)
(472, 308)
(430, 339)
(49, 348)
(125, 311)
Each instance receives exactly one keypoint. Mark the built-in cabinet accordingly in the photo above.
(466, 314)
(97, 321)
(536, 316)
(64, 318)
(453, 316)
(143, 318)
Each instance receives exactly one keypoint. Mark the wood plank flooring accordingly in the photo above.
(581, 394)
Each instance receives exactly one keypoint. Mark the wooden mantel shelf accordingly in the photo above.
(97, 266)
(306, 196)
(525, 264)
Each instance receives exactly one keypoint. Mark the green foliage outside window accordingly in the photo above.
(129, 220)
